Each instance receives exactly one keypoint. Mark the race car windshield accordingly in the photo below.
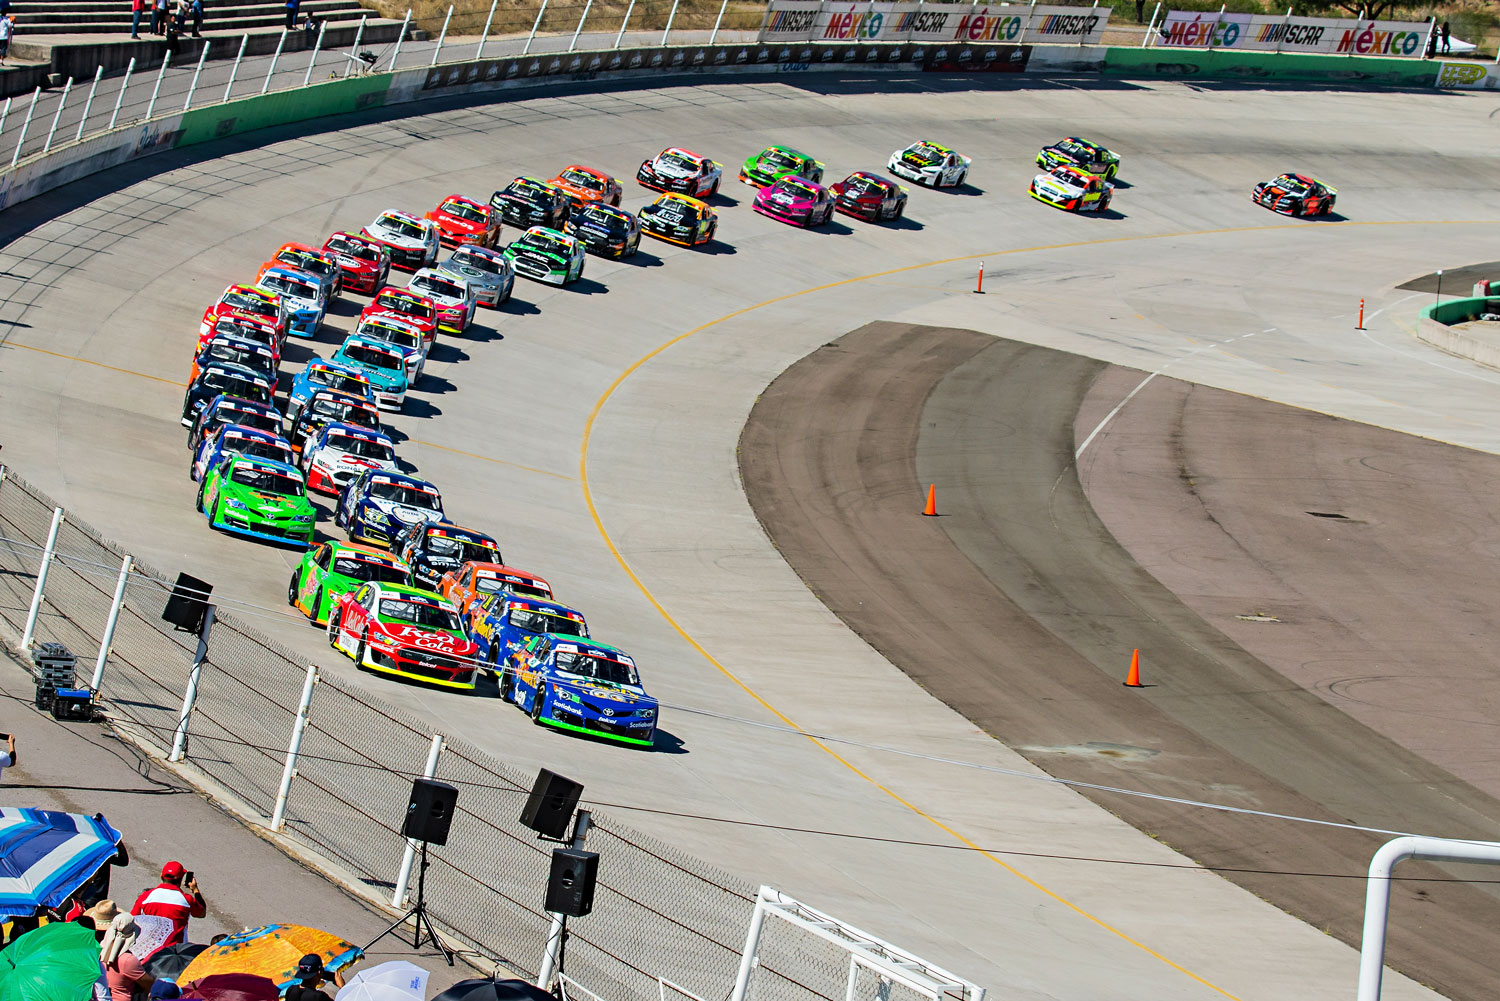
(363, 448)
(463, 550)
(304, 261)
(526, 191)
(797, 188)
(401, 304)
(418, 613)
(1076, 151)
(610, 672)
(250, 331)
(778, 160)
(580, 179)
(539, 621)
(479, 262)
(384, 573)
(292, 287)
(266, 481)
(240, 354)
(672, 211)
(250, 304)
(437, 286)
(402, 227)
(400, 493)
(359, 417)
(1292, 185)
(677, 161)
(545, 241)
(250, 418)
(858, 186)
(234, 385)
(373, 357)
(612, 223)
(363, 251)
(464, 211)
(259, 448)
(926, 155)
(391, 335)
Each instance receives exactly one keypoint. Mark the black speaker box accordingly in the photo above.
(188, 606)
(430, 811)
(570, 885)
(551, 804)
(73, 704)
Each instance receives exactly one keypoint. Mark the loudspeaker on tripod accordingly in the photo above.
(430, 811)
(188, 606)
(551, 803)
(570, 885)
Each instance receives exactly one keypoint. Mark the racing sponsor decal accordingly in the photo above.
(884, 20)
(1279, 33)
(1066, 24)
(1467, 76)
(977, 59)
(790, 20)
(854, 22)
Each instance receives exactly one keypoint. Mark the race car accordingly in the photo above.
(487, 271)
(301, 295)
(365, 263)
(339, 452)
(258, 498)
(236, 351)
(381, 364)
(527, 201)
(433, 548)
(775, 162)
(329, 406)
(403, 631)
(1295, 194)
(681, 171)
(310, 260)
(472, 581)
(464, 222)
(547, 256)
(796, 201)
(586, 186)
(218, 377)
(869, 197)
(1072, 189)
(581, 685)
(245, 328)
(412, 242)
(223, 410)
(322, 374)
(498, 624)
(237, 439)
(400, 336)
(930, 164)
(454, 300)
(1087, 156)
(331, 570)
(246, 300)
(378, 504)
(418, 310)
(606, 231)
(679, 219)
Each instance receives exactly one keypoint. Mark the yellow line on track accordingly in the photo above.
(96, 364)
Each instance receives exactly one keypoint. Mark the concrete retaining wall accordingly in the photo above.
(1436, 323)
(1294, 66)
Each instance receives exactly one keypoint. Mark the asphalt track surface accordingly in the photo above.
(595, 429)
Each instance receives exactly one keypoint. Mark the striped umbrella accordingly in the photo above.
(46, 855)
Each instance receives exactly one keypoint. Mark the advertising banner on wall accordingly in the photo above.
(1196, 29)
(905, 21)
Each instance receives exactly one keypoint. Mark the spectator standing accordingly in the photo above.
(291, 13)
(7, 28)
(310, 27)
(158, 16)
(196, 9)
(1447, 37)
(1140, 11)
(137, 8)
(310, 977)
(175, 898)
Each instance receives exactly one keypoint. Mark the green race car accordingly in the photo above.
(257, 497)
(333, 569)
(545, 255)
(1086, 156)
(775, 162)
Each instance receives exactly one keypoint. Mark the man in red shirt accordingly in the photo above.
(172, 900)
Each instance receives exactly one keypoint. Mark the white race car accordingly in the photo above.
(930, 164)
(683, 172)
(413, 242)
(451, 293)
(407, 338)
(340, 452)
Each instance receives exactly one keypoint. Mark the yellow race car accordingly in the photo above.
(679, 219)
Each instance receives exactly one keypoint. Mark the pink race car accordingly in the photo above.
(796, 200)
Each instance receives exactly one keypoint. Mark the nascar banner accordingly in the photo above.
(1195, 29)
(790, 20)
(903, 20)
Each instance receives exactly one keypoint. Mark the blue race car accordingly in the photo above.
(225, 409)
(501, 621)
(301, 293)
(322, 374)
(236, 439)
(580, 685)
(377, 505)
(381, 363)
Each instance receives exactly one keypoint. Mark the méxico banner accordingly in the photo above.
(903, 21)
(1194, 29)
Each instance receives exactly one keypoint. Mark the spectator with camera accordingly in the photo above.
(176, 898)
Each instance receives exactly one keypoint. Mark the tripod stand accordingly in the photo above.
(418, 916)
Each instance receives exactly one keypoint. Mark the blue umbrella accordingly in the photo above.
(46, 855)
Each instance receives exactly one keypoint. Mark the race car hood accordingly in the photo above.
(785, 200)
(1054, 187)
(350, 263)
(436, 640)
(672, 170)
(459, 223)
(626, 698)
(396, 239)
(267, 505)
(333, 458)
(474, 275)
(404, 513)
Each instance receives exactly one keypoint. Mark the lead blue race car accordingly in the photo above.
(377, 505)
(501, 621)
(580, 685)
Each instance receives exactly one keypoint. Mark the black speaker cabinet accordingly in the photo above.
(188, 606)
(72, 704)
(570, 885)
(430, 811)
(551, 804)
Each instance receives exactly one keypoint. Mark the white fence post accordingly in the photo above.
(1150, 36)
(403, 879)
(317, 44)
(752, 946)
(166, 60)
(671, 16)
(576, 31)
(4, 114)
(623, 23)
(396, 52)
(479, 52)
(41, 575)
(720, 20)
(25, 123)
(359, 33)
(271, 71)
(190, 696)
(234, 70)
(108, 639)
(442, 37)
(193, 85)
(57, 115)
(535, 25)
(120, 99)
(299, 726)
(88, 104)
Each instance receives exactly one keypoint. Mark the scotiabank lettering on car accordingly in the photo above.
(983, 27)
(852, 25)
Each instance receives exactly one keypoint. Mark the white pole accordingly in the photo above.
(108, 639)
(359, 33)
(1427, 42)
(193, 85)
(1092, 11)
(57, 115)
(120, 98)
(403, 879)
(274, 58)
(41, 576)
(752, 946)
(4, 114)
(234, 70)
(553, 950)
(534, 25)
(166, 60)
(88, 104)
(442, 37)
(299, 725)
(624, 23)
(1286, 25)
(25, 122)
(576, 31)
(396, 52)
(720, 20)
(671, 16)
(179, 739)
(1215, 30)
(479, 52)
(1150, 38)
(317, 44)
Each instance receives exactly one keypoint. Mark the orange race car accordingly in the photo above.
(473, 581)
(463, 221)
(584, 186)
(313, 261)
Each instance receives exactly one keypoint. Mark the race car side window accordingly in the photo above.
(362, 597)
(323, 553)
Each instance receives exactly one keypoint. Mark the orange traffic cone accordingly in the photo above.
(931, 509)
(1133, 679)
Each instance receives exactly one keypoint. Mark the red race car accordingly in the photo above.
(365, 264)
(463, 221)
(585, 186)
(247, 301)
(310, 260)
(869, 197)
(259, 331)
(406, 631)
(418, 310)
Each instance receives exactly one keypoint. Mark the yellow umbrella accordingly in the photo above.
(273, 952)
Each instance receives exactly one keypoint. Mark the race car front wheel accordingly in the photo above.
(359, 653)
(536, 705)
(333, 628)
(291, 591)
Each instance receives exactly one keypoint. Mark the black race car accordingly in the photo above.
(433, 548)
(224, 378)
(528, 202)
(606, 231)
(223, 410)
(1086, 156)
(1295, 194)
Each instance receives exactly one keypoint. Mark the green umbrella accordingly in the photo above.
(56, 962)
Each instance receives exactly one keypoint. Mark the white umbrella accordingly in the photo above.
(397, 980)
